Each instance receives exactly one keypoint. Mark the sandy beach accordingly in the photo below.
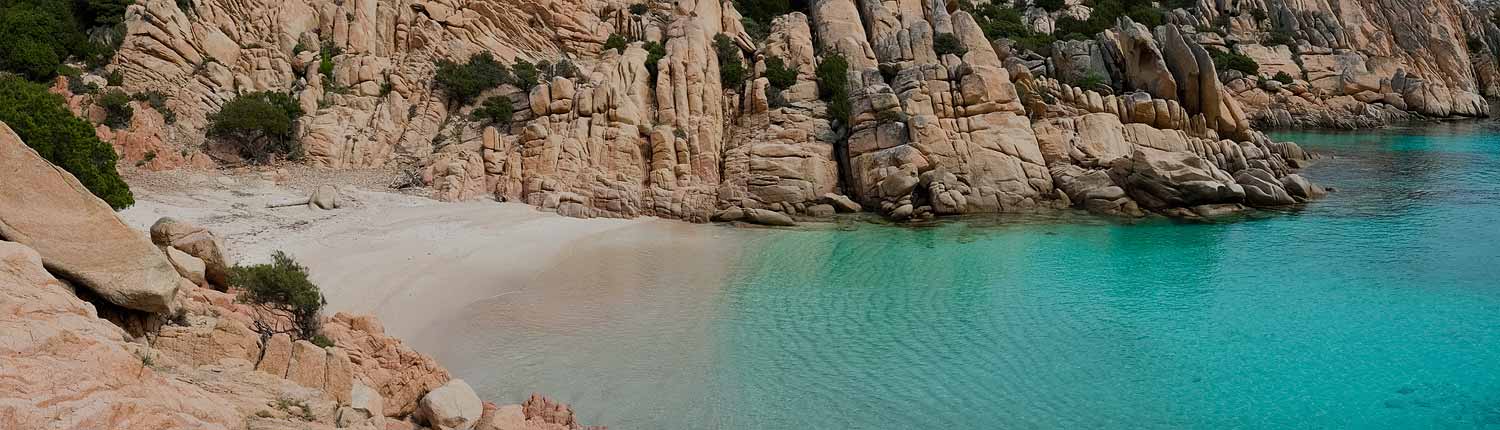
(408, 259)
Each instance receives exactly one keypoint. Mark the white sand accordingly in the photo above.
(410, 260)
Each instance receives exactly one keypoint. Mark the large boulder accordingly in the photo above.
(453, 406)
(79, 237)
(196, 241)
(1162, 179)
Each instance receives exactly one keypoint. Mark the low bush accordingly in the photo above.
(1227, 60)
(731, 62)
(833, 86)
(615, 42)
(494, 110)
(462, 83)
(654, 53)
(524, 74)
(282, 288)
(781, 76)
(947, 43)
(259, 125)
(43, 121)
(639, 9)
(1282, 77)
(117, 110)
(1050, 5)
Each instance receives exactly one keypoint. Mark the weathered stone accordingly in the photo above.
(79, 237)
(453, 406)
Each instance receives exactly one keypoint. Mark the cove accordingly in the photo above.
(1375, 308)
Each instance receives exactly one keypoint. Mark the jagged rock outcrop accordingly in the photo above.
(930, 133)
(78, 235)
(1361, 63)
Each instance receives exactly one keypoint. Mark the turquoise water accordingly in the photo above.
(1377, 308)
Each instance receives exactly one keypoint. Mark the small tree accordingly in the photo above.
(833, 86)
(117, 110)
(463, 82)
(654, 53)
(494, 110)
(639, 9)
(615, 42)
(43, 121)
(526, 74)
(260, 124)
(283, 290)
(947, 43)
(731, 63)
(781, 76)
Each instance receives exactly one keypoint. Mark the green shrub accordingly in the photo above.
(1050, 5)
(997, 20)
(1107, 12)
(947, 43)
(1279, 38)
(1475, 44)
(1224, 60)
(639, 9)
(117, 110)
(525, 74)
(615, 42)
(157, 101)
(563, 68)
(1282, 77)
(115, 78)
(322, 342)
(1092, 81)
(833, 86)
(731, 63)
(464, 82)
(494, 110)
(37, 36)
(756, 15)
(654, 53)
(283, 288)
(781, 76)
(1259, 15)
(43, 121)
(259, 124)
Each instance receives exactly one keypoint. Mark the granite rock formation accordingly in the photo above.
(929, 133)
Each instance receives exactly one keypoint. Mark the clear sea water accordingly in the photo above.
(1376, 308)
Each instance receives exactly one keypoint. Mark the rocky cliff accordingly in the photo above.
(945, 118)
(101, 327)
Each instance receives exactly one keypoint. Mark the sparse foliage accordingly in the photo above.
(947, 43)
(615, 42)
(117, 110)
(833, 86)
(282, 288)
(781, 76)
(731, 62)
(495, 111)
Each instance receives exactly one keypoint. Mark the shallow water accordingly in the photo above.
(1377, 308)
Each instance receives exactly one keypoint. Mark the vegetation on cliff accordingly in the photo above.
(37, 36)
(43, 121)
(260, 125)
(283, 289)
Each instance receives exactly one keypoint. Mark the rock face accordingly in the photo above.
(67, 368)
(928, 133)
(78, 235)
(1363, 63)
